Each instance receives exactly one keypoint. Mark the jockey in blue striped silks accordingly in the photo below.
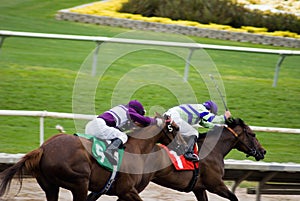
(189, 116)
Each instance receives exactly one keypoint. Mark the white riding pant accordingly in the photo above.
(98, 128)
(185, 128)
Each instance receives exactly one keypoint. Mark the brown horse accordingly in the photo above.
(65, 161)
(215, 145)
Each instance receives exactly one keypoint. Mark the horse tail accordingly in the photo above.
(29, 163)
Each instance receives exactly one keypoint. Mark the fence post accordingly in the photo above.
(42, 133)
(277, 68)
(95, 59)
(1, 41)
(187, 65)
(41, 130)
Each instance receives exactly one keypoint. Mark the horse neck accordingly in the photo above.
(144, 140)
(217, 143)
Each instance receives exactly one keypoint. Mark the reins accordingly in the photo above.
(237, 137)
(231, 130)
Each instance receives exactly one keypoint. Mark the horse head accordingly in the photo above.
(246, 139)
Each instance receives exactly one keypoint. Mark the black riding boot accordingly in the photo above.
(189, 154)
(111, 149)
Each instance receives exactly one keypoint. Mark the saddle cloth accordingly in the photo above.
(98, 148)
(179, 162)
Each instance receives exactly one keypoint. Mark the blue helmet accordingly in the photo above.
(137, 106)
(212, 106)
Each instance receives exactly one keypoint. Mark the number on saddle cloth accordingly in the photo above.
(98, 148)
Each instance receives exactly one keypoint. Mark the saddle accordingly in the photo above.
(179, 161)
(98, 149)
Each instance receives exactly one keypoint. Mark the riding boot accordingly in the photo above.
(189, 154)
(111, 149)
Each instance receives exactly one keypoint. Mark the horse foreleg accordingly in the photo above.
(93, 196)
(223, 191)
(80, 194)
(201, 195)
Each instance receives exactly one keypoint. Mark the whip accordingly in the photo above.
(220, 93)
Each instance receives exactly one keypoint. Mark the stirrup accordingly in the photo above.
(110, 156)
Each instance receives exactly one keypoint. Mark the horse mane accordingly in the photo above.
(233, 122)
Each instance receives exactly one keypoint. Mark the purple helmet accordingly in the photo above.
(212, 106)
(137, 106)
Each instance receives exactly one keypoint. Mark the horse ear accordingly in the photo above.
(241, 122)
(232, 122)
(157, 115)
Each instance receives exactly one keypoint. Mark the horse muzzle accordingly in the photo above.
(258, 155)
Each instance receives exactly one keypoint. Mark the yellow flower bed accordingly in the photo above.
(254, 29)
(283, 34)
(292, 6)
(111, 8)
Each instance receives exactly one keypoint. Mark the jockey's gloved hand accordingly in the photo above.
(159, 122)
(230, 120)
(227, 114)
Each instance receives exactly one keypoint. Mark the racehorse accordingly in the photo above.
(65, 161)
(215, 145)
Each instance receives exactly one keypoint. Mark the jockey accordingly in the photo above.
(189, 116)
(111, 124)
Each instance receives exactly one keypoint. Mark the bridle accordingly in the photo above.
(253, 152)
(231, 130)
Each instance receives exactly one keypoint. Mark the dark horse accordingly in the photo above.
(215, 145)
(65, 161)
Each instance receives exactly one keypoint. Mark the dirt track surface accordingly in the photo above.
(31, 191)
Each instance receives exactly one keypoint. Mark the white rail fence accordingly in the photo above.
(43, 114)
(191, 46)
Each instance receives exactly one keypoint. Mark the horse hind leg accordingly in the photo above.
(50, 190)
(52, 193)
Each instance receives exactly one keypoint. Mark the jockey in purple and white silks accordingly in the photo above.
(109, 125)
(189, 116)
